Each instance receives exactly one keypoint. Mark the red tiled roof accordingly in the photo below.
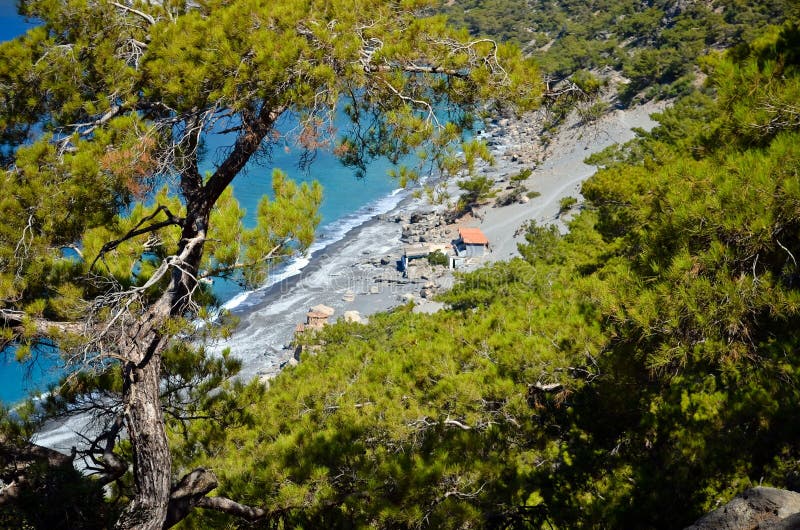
(472, 236)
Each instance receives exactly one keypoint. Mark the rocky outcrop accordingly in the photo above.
(354, 316)
(517, 140)
(757, 508)
(425, 227)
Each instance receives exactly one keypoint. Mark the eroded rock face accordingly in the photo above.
(757, 508)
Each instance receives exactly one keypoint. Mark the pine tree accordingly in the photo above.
(109, 227)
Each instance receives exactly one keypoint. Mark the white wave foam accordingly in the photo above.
(332, 232)
(236, 300)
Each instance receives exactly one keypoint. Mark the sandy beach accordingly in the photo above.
(560, 174)
(359, 272)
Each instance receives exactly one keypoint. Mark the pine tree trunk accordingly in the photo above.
(152, 462)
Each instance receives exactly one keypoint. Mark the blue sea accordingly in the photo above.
(348, 202)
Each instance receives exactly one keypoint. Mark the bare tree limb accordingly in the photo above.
(420, 102)
(187, 494)
(20, 322)
(136, 231)
(92, 125)
(111, 466)
(246, 144)
(238, 265)
(551, 387)
(456, 423)
(787, 251)
(415, 69)
(142, 14)
(225, 505)
(191, 493)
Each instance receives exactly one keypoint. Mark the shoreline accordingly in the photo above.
(362, 261)
(355, 261)
(350, 264)
(315, 257)
(561, 173)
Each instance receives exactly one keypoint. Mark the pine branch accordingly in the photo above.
(136, 231)
(191, 493)
(246, 145)
(218, 271)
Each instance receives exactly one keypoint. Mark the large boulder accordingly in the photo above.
(323, 310)
(757, 508)
(353, 316)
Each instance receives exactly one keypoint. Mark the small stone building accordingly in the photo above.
(471, 242)
(420, 251)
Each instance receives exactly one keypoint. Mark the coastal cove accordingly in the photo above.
(364, 262)
(363, 222)
(348, 201)
(357, 262)
(399, 265)
(359, 227)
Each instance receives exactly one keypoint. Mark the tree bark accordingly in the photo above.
(152, 463)
(187, 493)
(190, 493)
(222, 504)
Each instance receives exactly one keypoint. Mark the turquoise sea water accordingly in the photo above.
(348, 202)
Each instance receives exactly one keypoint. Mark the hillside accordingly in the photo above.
(634, 373)
(654, 44)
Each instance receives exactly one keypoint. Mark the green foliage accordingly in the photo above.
(632, 373)
(72, 501)
(116, 92)
(566, 204)
(438, 258)
(521, 177)
(292, 216)
(593, 112)
(476, 190)
(108, 89)
(587, 82)
(360, 436)
(517, 188)
(111, 234)
(541, 244)
(654, 44)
